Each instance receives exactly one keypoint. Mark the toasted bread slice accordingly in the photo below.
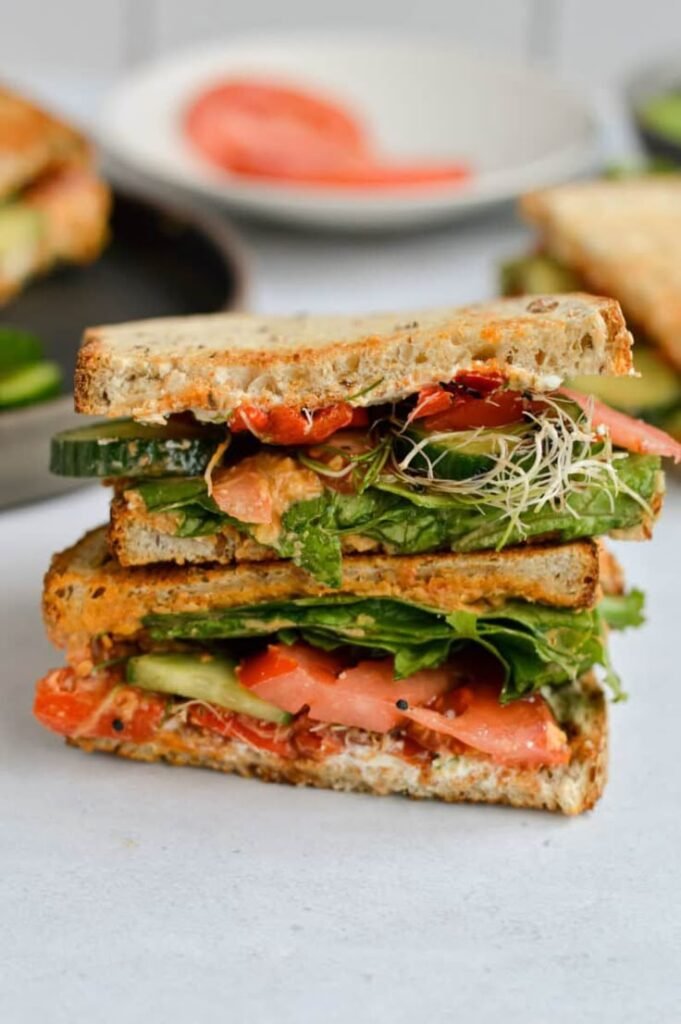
(32, 141)
(373, 765)
(87, 592)
(212, 364)
(139, 537)
(624, 239)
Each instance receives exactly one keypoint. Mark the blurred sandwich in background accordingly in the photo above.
(620, 238)
(53, 206)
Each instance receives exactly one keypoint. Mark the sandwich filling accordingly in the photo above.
(305, 677)
(465, 466)
(60, 217)
(655, 396)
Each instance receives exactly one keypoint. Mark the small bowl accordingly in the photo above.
(163, 260)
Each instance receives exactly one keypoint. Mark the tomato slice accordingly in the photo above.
(365, 696)
(498, 409)
(264, 130)
(363, 172)
(284, 425)
(269, 130)
(523, 732)
(625, 431)
(96, 707)
(260, 735)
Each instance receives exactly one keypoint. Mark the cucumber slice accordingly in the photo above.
(30, 384)
(461, 455)
(537, 275)
(127, 448)
(201, 677)
(18, 348)
(656, 391)
(21, 228)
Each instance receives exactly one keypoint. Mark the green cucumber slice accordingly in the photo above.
(30, 384)
(537, 275)
(127, 448)
(458, 456)
(201, 677)
(18, 348)
(656, 391)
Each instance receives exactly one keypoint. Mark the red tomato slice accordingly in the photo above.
(364, 696)
(362, 172)
(498, 409)
(284, 425)
(626, 432)
(478, 380)
(260, 735)
(260, 128)
(431, 400)
(523, 732)
(96, 707)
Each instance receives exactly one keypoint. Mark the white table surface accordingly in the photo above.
(141, 893)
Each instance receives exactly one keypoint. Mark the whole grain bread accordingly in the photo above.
(376, 767)
(88, 592)
(624, 239)
(32, 141)
(212, 364)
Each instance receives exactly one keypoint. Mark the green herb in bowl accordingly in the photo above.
(26, 377)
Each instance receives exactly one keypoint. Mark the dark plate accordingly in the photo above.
(161, 261)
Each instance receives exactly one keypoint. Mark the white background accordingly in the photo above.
(143, 894)
(587, 41)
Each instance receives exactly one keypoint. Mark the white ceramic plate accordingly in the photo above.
(418, 98)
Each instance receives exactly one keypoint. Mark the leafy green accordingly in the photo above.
(18, 348)
(537, 646)
(620, 611)
(407, 521)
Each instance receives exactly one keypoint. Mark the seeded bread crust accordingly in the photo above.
(32, 141)
(624, 239)
(88, 592)
(372, 766)
(212, 364)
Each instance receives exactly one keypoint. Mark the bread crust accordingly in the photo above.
(373, 768)
(32, 141)
(212, 364)
(623, 238)
(87, 592)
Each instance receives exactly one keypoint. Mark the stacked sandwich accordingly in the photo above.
(53, 207)
(378, 536)
(620, 238)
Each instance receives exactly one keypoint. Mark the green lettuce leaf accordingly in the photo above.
(620, 611)
(537, 646)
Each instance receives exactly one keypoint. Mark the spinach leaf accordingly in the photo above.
(537, 646)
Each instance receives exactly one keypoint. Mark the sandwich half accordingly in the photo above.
(243, 438)
(456, 676)
(617, 237)
(53, 206)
